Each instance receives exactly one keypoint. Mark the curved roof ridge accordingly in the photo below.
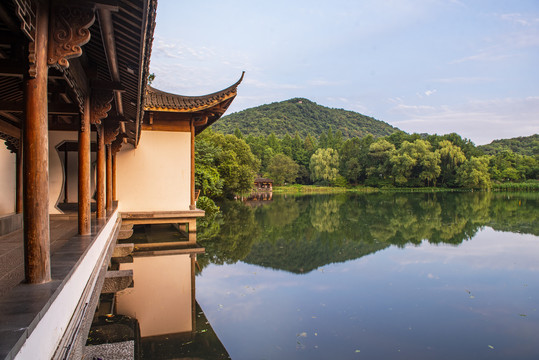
(156, 98)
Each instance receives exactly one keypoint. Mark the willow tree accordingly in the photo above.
(324, 165)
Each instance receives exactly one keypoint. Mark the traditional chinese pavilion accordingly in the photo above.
(90, 149)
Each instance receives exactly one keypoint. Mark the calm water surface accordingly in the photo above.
(376, 276)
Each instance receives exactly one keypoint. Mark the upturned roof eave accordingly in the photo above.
(158, 100)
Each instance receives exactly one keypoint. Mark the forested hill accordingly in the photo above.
(302, 116)
(524, 145)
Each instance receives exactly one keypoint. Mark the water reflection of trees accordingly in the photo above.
(302, 233)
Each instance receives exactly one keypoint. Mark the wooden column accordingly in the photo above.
(109, 178)
(100, 178)
(192, 206)
(84, 181)
(36, 160)
(100, 105)
(114, 198)
(19, 178)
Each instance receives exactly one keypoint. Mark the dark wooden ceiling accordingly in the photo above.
(132, 28)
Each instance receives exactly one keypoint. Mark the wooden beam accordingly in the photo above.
(10, 130)
(109, 43)
(84, 179)
(54, 108)
(36, 161)
(10, 117)
(163, 126)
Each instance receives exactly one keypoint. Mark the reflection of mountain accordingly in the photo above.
(301, 233)
(303, 256)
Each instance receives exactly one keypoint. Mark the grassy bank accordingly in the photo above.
(307, 189)
(314, 189)
(530, 185)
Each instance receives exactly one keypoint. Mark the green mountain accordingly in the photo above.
(523, 145)
(302, 116)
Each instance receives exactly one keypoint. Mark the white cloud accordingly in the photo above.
(430, 92)
(463, 80)
(254, 82)
(488, 250)
(519, 19)
(479, 120)
(495, 53)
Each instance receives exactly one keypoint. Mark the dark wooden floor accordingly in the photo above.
(12, 251)
(20, 303)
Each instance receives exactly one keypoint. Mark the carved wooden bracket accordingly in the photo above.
(201, 121)
(117, 144)
(68, 31)
(12, 143)
(100, 104)
(111, 129)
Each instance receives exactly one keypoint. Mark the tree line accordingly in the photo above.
(301, 233)
(226, 165)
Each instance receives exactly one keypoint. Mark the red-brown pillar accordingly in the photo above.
(192, 206)
(19, 178)
(84, 181)
(114, 198)
(100, 178)
(109, 178)
(36, 161)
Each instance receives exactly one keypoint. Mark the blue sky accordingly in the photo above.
(435, 66)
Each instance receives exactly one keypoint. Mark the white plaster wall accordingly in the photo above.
(156, 175)
(8, 180)
(161, 297)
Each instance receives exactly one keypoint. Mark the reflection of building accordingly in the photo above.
(263, 184)
(163, 296)
(82, 128)
(161, 299)
(256, 199)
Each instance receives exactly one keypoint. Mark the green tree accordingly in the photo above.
(207, 178)
(233, 160)
(282, 169)
(324, 165)
(415, 161)
(451, 157)
(380, 153)
(354, 158)
(238, 134)
(430, 164)
(474, 173)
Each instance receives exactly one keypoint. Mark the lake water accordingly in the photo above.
(374, 276)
